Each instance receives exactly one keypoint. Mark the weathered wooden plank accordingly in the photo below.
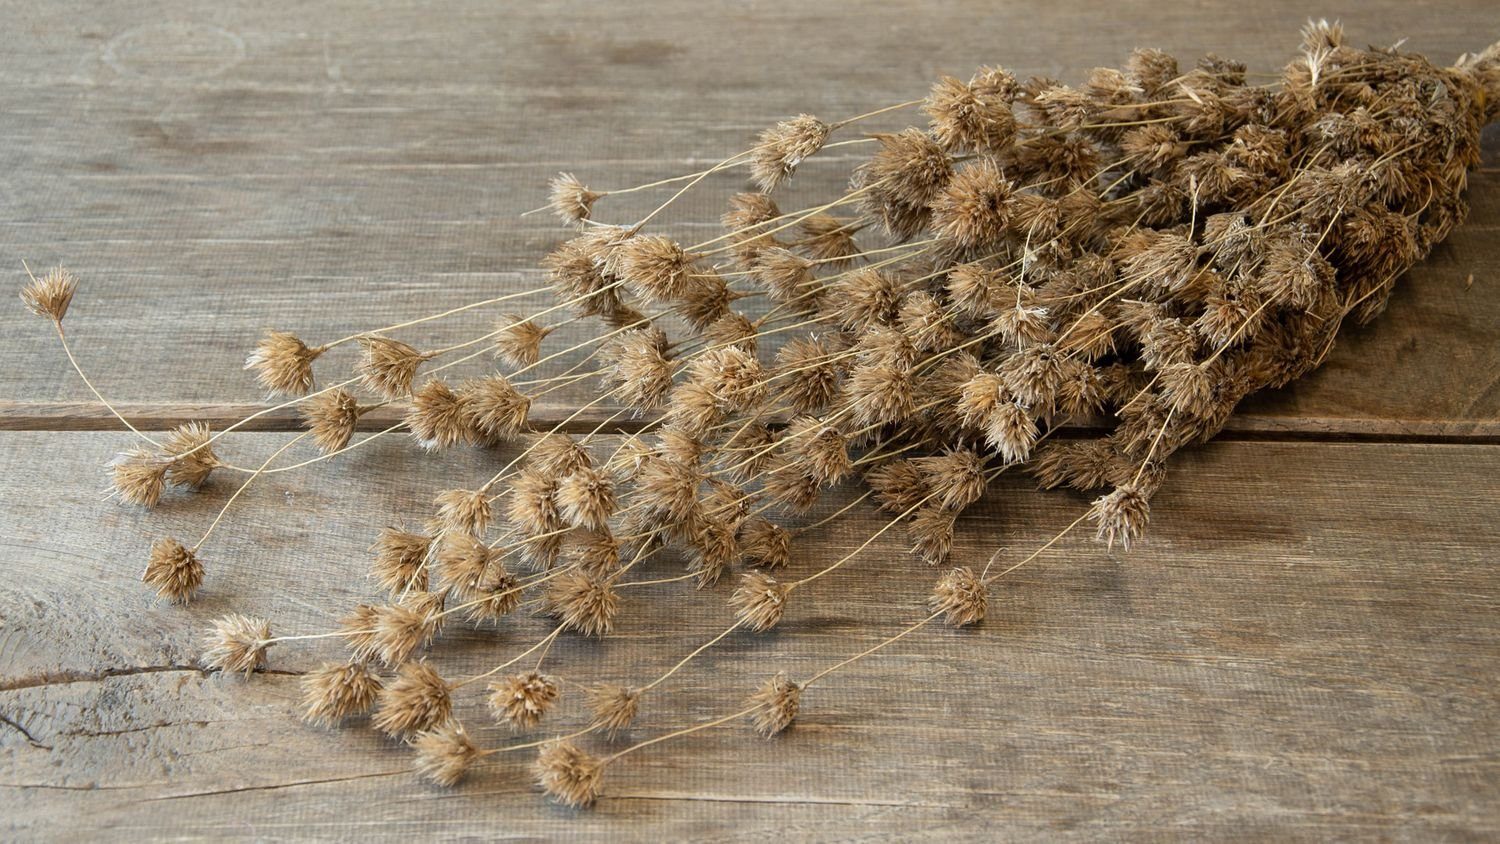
(1304, 647)
(214, 171)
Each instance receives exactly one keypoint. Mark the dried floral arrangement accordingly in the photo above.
(1139, 252)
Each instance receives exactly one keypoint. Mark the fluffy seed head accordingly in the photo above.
(972, 212)
(759, 601)
(519, 341)
(655, 267)
(960, 595)
(570, 199)
(775, 705)
(50, 295)
(399, 560)
(909, 169)
(173, 570)
(387, 367)
(583, 603)
(337, 690)
(783, 146)
(586, 499)
(283, 364)
(418, 699)
(975, 115)
(463, 510)
(613, 707)
(139, 476)
(436, 417)
(1121, 515)
(444, 753)
(493, 410)
(331, 417)
(567, 774)
(236, 643)
(764, 543)
(522, 699)
(957, 474)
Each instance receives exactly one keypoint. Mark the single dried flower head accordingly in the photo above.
(494, 410)
(613, 707)
(583, 603)
(764, 543)
(338, 690)
(522, 699)
(387, 367)
(960, 596)
(173, 570)
(237, 642)
(50, 295)
(1121, 515)
(567, 774)
(784, 146)
(759, 601)
(418, 699)
(331, 416)
(586, 498)
(655, 267)
(519, 341)
(283, 364)
(775, 705)
(973, 116)
(463, 510)
(436, 417)
(570, 199)
(444, 753)
(400, 560)
(139, 476)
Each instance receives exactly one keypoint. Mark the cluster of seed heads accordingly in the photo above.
(1131, 256)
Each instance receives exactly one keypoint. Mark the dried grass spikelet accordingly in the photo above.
(786, 276)
(444, 753)
(960, 596)
(775, 705)
(931, 533)
(864, 298)
(436, 417)
(390, 632)
(50, 295)
(283, 364)
(669, 488)
(417, 699)
(881, 394)
(331, 416)
(192, 458)
(532, 503)
(522, 699)
(558, 454)
(236, 643)
(909, 170)
(464, 562)
(972, 212)
(713, 549)
(493, 410)
(655, 267)
(733, 329)
(138, 476)
(784, 146)
(957, 475)
(519, 341)
(613, 707)
(1121, 515)
(927, 323)
(173, 570)
(595, 552)
(1022, 324)
(586, 499)
(387, 367)
(462, 510)
(764, 543)
(587, 604)
(973, 116)
(400, 560)
(899, 485)
(791, 485)
(639, 367)
(1033, 374)
(828, 239)
(1082, 464)
(567, 774)
(975, 290)
(821, 448)
(806, 375)
(759, 601)
(570, 200)
(338, 690)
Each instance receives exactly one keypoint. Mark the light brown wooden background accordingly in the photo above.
(1306, 647)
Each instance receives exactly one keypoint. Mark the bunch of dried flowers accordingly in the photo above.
(1139, 252)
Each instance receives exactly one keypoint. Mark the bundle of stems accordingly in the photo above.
(1133, 256)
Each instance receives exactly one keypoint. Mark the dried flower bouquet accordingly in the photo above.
(1139, 252)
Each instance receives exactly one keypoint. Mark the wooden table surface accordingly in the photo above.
(1306, 646)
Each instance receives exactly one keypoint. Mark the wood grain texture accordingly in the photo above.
(1276, 661)
(213, 170)
(1304, 648)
